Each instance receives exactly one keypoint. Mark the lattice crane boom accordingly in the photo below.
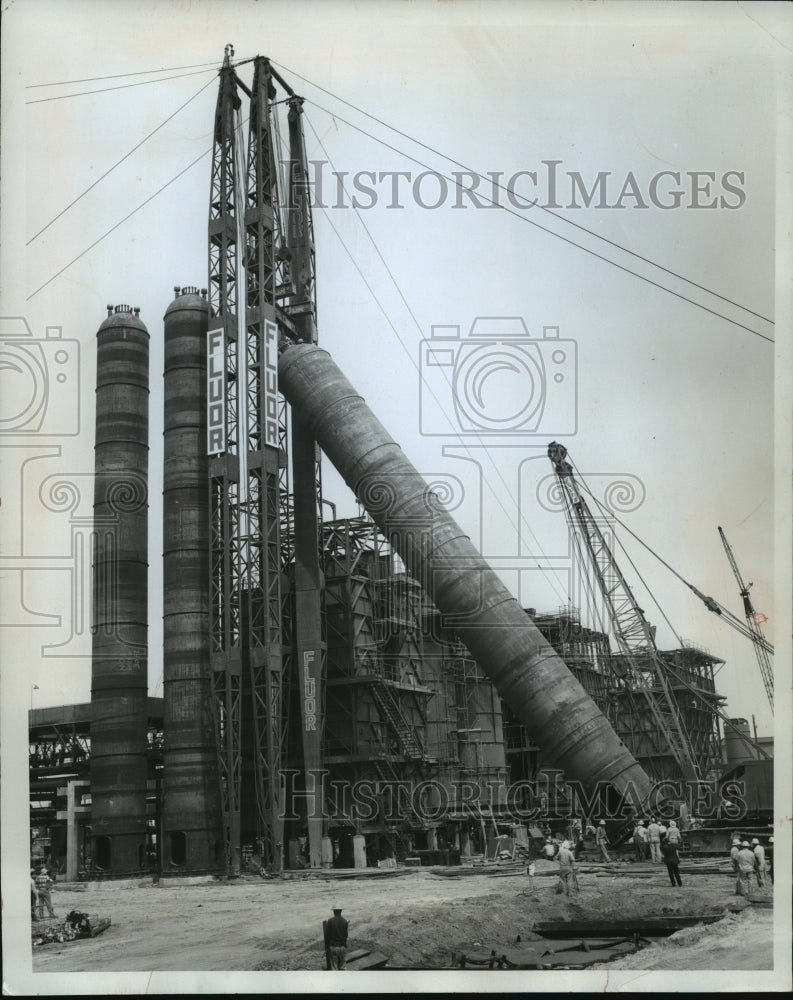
(753, 620)
(633, 633)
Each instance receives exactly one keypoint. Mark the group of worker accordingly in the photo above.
(654, 840)
(40, 889)
(749, 863)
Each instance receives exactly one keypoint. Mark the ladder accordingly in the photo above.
(389, 708)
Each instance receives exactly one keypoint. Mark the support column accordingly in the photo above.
(359, 850)
(71, 814)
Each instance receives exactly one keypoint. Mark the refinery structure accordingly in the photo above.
(308, 656)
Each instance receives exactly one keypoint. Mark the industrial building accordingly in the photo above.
(306, 656)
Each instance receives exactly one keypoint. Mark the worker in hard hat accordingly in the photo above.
(770, 855)
(746, 869)
(43, 884)
(654, 839)
(672, 859)
(567, 867)
(335, 934)
(736, 846)
(759, 858)
(640, 840)
(602, 840)
(673, 835)
(549, 849)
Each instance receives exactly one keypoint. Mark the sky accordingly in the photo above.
(668, 119)
(664, 121)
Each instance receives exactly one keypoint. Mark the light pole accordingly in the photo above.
(33, 687)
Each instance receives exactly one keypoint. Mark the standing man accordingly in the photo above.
(746, 868)
(771, 859)
(639, 837)
(336, 939)
(672, 859)
(567, 867)
(654, 838)
(673, 835)
(736, 846)
(759, 857)
(601, 840)
(43, 883)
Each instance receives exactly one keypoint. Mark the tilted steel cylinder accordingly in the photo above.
(529, 675)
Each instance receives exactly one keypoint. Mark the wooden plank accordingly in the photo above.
(621, 928)
(371, 960)
(97, 926)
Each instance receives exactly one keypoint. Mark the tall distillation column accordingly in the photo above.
(119, 684)
(192, 832)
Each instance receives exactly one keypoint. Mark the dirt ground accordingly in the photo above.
(420, 920)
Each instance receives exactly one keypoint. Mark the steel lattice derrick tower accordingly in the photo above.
(223, 432)
(310, 644)
(634, 635)
(753, 621)
(265, 434)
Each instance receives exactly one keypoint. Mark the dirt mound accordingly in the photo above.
(423, 934)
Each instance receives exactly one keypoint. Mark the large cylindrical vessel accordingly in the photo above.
(119, 683)
(528, 674)
(738, 744)
(191, 807)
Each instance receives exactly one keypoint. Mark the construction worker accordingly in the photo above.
(34, 897)
(639, 839)
(736, 846)
(43, 883)
(759, 856)
(673, 835)
(654, 840)
(335, 934)
(672, 859)
(601, 840)
(549, 849)
(567, 867)
(771, 859)
(746, 869)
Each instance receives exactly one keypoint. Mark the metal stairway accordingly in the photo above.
(389, 707)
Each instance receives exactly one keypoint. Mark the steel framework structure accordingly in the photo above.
(262, 288)
(245, 471)
(647, 676)
(753, 620)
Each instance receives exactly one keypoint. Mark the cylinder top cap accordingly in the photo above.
(123, 316)
(188, 297)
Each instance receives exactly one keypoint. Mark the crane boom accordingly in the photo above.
(753, 620)
(634, 634)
